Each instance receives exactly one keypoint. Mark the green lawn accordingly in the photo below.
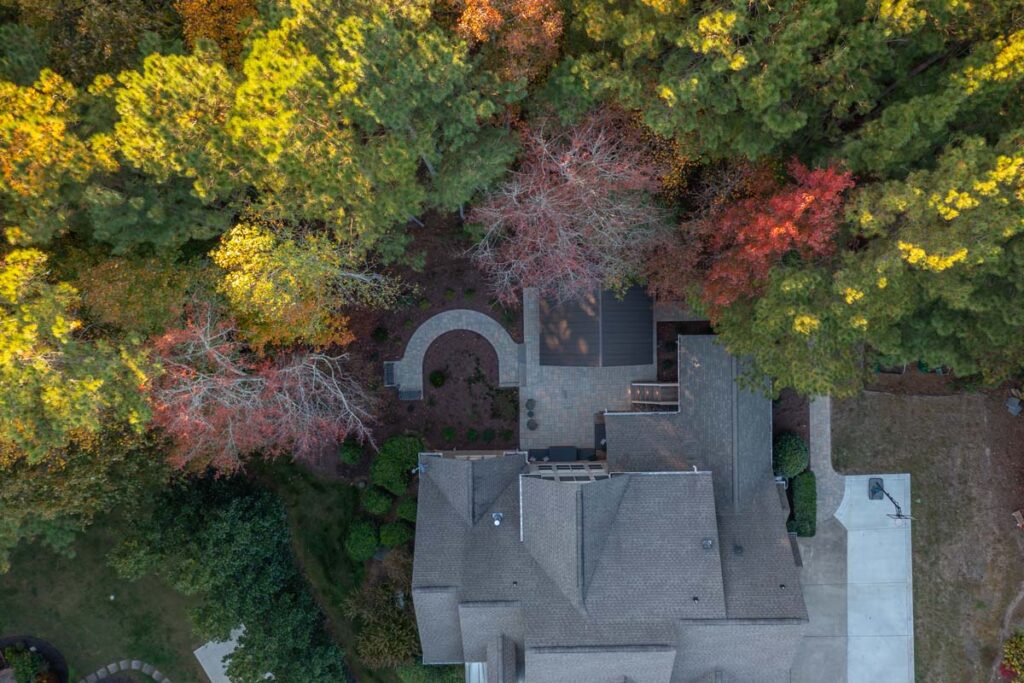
(67, 601)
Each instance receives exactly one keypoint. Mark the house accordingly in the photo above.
(659, 556)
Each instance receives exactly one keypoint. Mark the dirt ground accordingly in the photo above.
(964, 454)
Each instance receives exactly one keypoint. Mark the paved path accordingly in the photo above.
(125, 665)
(407, 374)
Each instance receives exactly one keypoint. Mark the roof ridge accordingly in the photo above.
(602, 539)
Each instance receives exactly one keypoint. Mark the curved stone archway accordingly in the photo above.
(407, 374)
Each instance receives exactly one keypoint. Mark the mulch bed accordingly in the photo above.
(469, 398)
(51, 654)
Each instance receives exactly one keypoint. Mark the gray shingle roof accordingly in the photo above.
(595, 581)
(501, 660)
(644, 664)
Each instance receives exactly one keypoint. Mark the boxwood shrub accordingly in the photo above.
(376, 501)
(805, 505)
(790, 455)
(395, 533)
(350, 453)
(361, 542)
(392, 465)
(407, 509)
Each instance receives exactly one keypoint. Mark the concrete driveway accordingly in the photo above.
(857, 576)
(880, 602)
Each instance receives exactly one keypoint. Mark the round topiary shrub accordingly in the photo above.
(397, 457)
(448, 433)
(361, 542)
(472, 435)
(350, 453)
(790, 455)
(407, 509)
(395, 533)
(438, 378)
(376, 501)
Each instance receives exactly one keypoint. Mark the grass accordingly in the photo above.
(962, 453)
(67, 602)
(320, 513)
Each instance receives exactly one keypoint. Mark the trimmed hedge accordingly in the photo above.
(805, 505)
(418, 673)
(395, 534)
(361, 542)
(376, 501)
(790, 455)
(407, 509)
(398, 455)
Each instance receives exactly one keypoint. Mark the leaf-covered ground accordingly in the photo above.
(963, 452)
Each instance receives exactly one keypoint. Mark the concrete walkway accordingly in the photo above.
(407, 374)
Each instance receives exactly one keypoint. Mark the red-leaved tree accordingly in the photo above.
(575, 214)
(728, 250)
(219, 404)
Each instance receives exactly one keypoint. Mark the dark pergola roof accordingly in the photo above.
(600, 329)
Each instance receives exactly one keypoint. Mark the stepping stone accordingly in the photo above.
(136, 665)
(148, 669)
(102, 673)
(158, 677)
(112, 668)
(124, 665)
(91, 678)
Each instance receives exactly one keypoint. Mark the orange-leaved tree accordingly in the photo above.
(521, 35)
(746, 221)
(222, 21)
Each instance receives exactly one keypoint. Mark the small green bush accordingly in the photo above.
(488, 435)
(407, 509)
(438, 378)
(424, 304)
(27, 665)
(507, 434)
(448, 433)
(350, 453)
(449, 294)
(391, 467)
(376, 501)
(380, 334)
(395, 533)
(469, 293)
(361, 542)
(472, 435)
(790, 455)
(805, 505)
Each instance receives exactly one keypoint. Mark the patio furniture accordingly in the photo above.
(531, 424)
(530, 404)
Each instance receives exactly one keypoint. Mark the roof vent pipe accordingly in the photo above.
(497, 517)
